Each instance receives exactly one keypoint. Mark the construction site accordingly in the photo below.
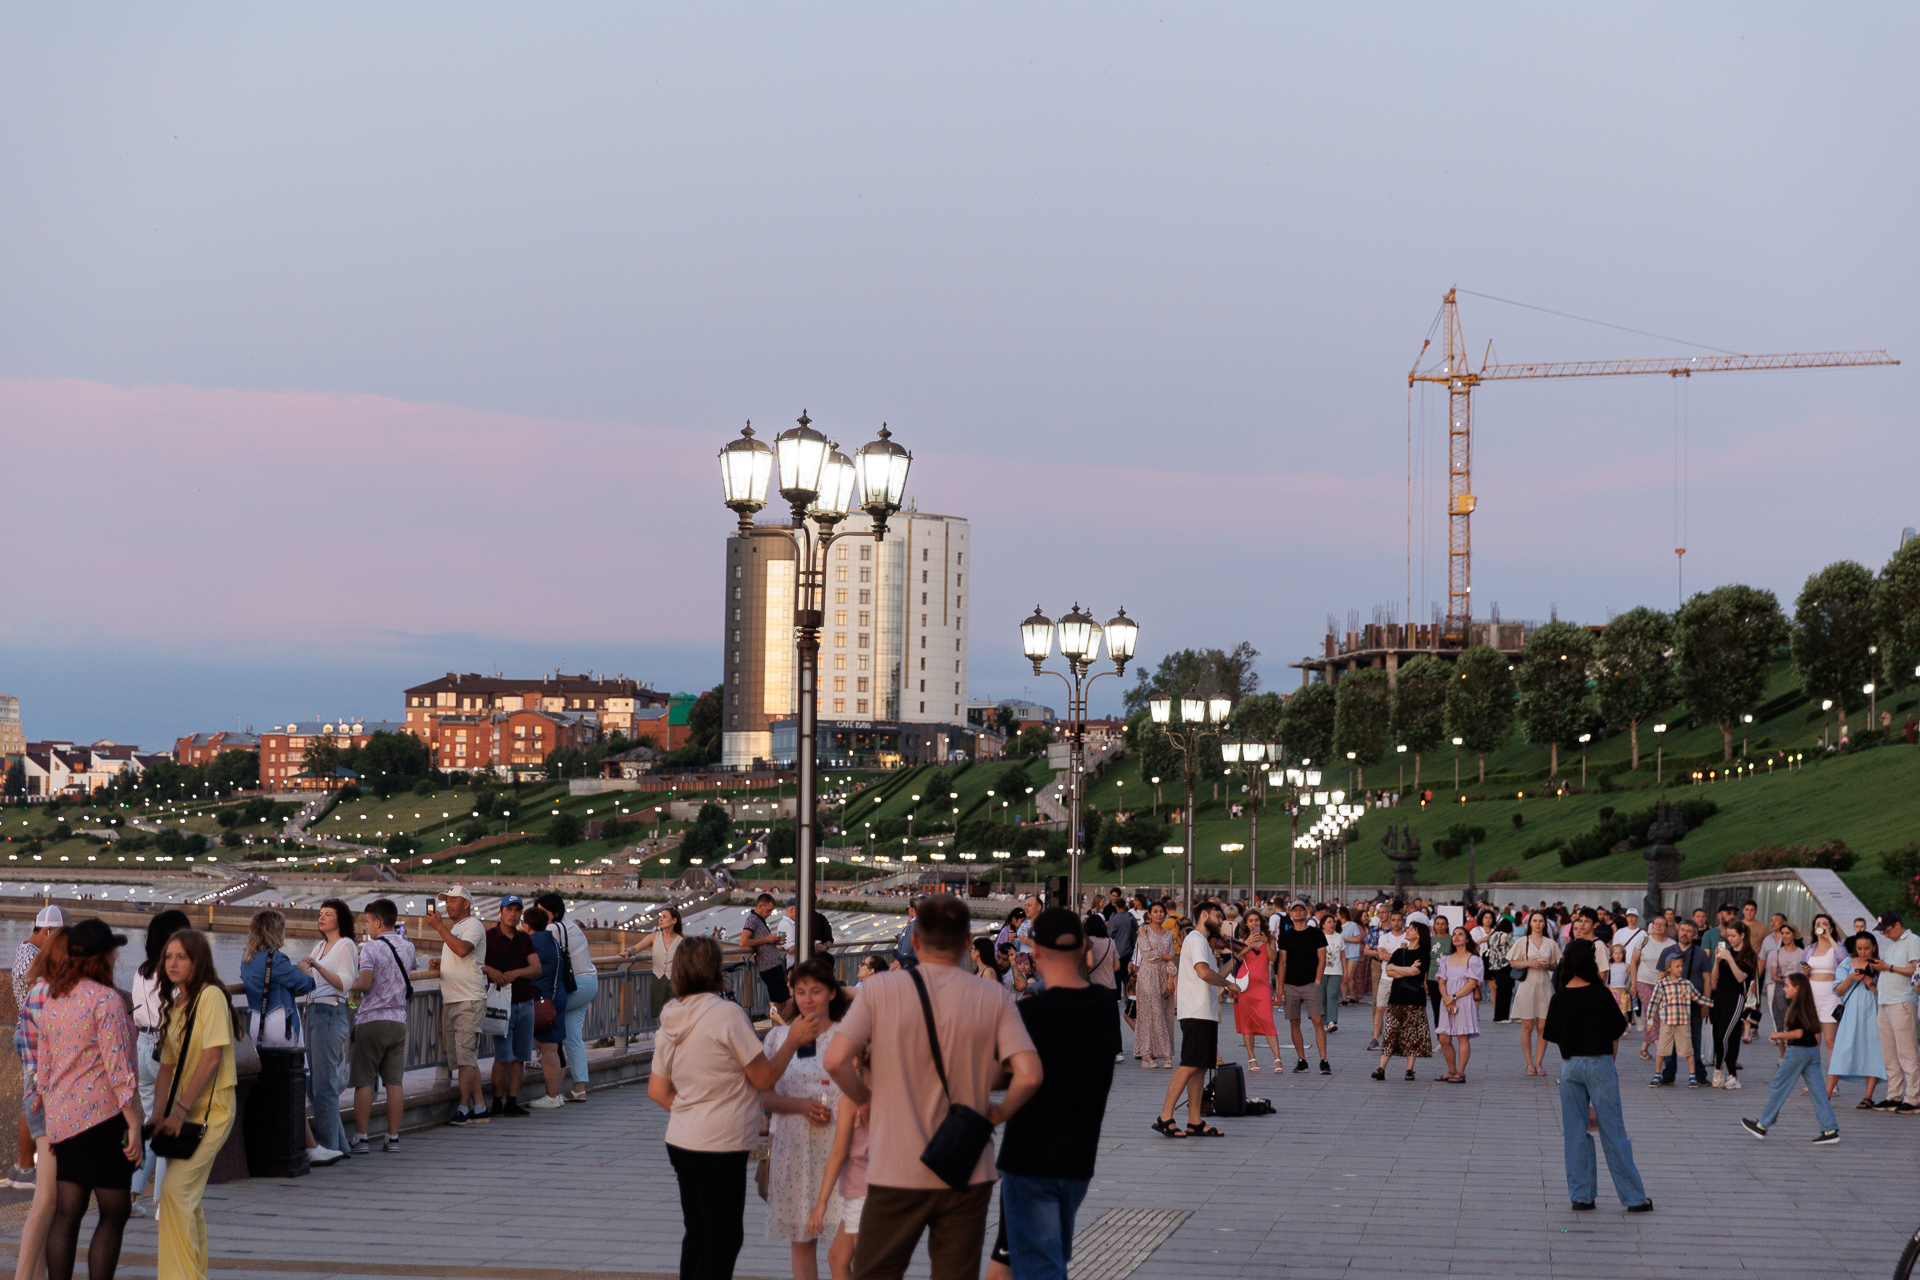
(1386, 642)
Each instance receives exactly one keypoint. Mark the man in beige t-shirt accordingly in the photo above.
(981, 1036)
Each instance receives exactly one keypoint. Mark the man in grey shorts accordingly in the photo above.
(1305, 948)
(463, 998)
(1390, 941)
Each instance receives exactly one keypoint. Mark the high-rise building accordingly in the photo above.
(893, 635)
(13, 738)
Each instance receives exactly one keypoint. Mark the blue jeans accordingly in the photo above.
(1038, 1213)
(517, 1044)
(1671, 1063)
(574, 1043)
(328, 1028)
(1592, 1082)
(153, 1168)
(1800, 1063)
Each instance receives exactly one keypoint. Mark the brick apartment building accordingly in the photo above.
(507, 742)
(283, 750)
(618, 704)
(201, 748)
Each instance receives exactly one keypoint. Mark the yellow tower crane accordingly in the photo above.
(1455, 372)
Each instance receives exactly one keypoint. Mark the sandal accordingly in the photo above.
(1380, 1074)
(1409, 1073)
(1865, 1105)
(1203, 1130)
(1167, 1129)
(1645, 1056)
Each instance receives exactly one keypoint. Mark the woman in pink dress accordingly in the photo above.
(1461, 974)
(1253, 1010)
(1154, 978)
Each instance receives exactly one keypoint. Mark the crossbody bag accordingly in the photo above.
(182, 1145)
(953, 1153)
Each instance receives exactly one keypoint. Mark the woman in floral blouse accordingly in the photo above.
(1153, 963)
(82, 1049)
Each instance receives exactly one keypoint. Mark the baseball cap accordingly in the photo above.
(1632, 911)
(93, 938)
(1887, 919)
(458, 891)
(511, 900)
(51, 918)
(1059, 929)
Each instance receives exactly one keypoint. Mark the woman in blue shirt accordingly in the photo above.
(546, 986)
(273, 984)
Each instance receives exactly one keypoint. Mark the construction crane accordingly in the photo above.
(1454, 372)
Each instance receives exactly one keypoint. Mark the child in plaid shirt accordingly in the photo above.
(1671, 996)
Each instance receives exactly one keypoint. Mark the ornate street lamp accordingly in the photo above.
(1080, 638)
(1186, 731)
(822, 485)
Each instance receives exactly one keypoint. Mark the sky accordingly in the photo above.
(341, 347)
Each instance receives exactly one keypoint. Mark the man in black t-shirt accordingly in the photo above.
(510, 961)
(1046, 1154)
(1305, 949)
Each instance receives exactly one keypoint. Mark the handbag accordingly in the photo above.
(953, 1153)
(544, 1014)
(182, 1145)
(498, 1014)
(568, 982)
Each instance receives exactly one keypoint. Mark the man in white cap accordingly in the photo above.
(463, 997)
(50, 920)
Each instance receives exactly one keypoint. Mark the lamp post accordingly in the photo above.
(1185, 721)
(1291, 782)
(1120, 852)
(1172, 851)
(1230, 849)
(1585, 738)
(1826, 705)
(1873, 706)
(820, 484)
(1156, 780)
(1401, 790)
(1456, 764)
(1080, 645)
(1746, 727)
(1659, 754)
(1249, 756)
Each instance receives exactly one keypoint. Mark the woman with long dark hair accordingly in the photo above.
(1585, 1022)
(196, 1085)
(1533, 958)
(802, 1103)
(1801, 1035)
(333, 964)
(1153, 969)
(148, 984)
(664, 939)
(85, 1076)
(1856, 1046)
(1734, 968)
(578, 982)
(1407, 1034)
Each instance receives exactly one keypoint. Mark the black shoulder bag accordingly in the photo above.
(568, 982)
(404, 976)
(182, 1145)
(954, 1150)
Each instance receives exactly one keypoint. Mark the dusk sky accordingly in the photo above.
(344, 346)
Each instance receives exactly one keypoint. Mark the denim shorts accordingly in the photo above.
(517, 1044)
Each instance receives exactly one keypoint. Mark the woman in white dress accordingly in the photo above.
(802, 1103)
(1822, 959)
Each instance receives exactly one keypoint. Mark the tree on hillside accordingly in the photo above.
(234, 771)
(1633, 671)
(1480, 702)
(1896, 607)
(390, 762)
(1258, 718)
(1197, 673)
(1724, 641)
(1833, 627)
(1420, 708)
(323, 757)
(703, 722)
(1308, 727)
(17, 778)
(1362, 718)
(1554, 703)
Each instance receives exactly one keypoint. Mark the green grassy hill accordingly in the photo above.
(1867, 798)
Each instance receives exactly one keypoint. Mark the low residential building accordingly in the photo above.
(617, 702)
(283, 750)
(508, 743)
(201, 748)
(69, 769)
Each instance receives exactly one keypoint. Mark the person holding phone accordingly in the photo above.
(463, 997)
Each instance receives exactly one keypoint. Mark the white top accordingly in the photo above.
(789, 931)
(704, 1046)
(1390, 943)
(460, 978)
(1627, 938)
(1334, 961)
(343, 961)
(1192, 996)
(1648, 970)
(1617, 976)
(146, 1001)
(572, 939)
(1824, 965)
(662, 951)
(1897, 988)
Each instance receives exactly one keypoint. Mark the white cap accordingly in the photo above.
(457, 891)
(51, 918)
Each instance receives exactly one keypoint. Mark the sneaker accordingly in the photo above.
(390, 1144)
(1300, 1065)
(1654, 1083)
(21, 1178)
(1828, 1138)
(1719, 1079)
(321, 1157)
(459, 1117)
(552, 1102)
(513, 1108)
(1325, 1070)
(140, 1209)
(1754, 1127)
(1886, 1104)
(1373, 1044)
(1733, 1082)
(1693, 1083)
(1645, 1206)
(1332, 1027)
(479, 1117)
(1906, 1109)
(359, 1147)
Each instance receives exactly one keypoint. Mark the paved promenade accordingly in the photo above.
(1351, 1178)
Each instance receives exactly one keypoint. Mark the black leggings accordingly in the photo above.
(63, 1234)
(713, 1205)
(1727, 1028)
